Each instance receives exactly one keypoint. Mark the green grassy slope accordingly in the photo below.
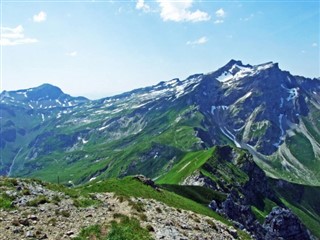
(168, 134)
(186, 166)
(128, 187)
(198, 194)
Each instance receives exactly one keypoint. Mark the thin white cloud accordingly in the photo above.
(72, 54)
(218, 21)
(8, 42)
(247, 18)
(199, 41)
(141, 5)
(40, 17)
(12, 32)
(179, 11)
(14, 36)
(314, 44)
(220, 13)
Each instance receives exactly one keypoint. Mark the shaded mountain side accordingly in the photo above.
(241, 191)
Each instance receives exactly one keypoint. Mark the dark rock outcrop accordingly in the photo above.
(257, 188)
(281, 223)
(235, 209)
(147, 181)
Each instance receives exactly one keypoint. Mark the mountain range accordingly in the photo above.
(242, 140)
(269, 112)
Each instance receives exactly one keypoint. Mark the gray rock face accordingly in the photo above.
(257, 187)
(283, 224)
(199, 179)
(235, 209)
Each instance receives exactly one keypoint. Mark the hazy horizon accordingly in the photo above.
(101, 48)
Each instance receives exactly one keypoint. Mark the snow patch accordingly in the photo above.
(213, 108)
(225, 76)
(252, 147)
(99, 112)
(23, 93)
(182, 89)
(244, 97)
(239, 129)
(237, 72)
(172, 82)
(247, 95)
(139, 105)
(265, 66)
(243, 73)
(156, 155)
(229, 135)
(282, 131)
(116, 111)
(82, 140)
(280, 123)
(293, 92)
(103, 128)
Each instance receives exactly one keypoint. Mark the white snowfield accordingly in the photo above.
(293, 93)
(237, 72)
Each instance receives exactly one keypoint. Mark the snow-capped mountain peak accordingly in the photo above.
(235, 70)
(45, 96)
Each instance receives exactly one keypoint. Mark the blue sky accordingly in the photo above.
(99, 48)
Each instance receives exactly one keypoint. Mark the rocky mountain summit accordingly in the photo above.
(45, 96)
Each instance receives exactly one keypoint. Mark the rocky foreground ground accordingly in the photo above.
(41, 213)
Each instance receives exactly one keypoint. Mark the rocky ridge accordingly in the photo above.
(241, 196)
(41, 213)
